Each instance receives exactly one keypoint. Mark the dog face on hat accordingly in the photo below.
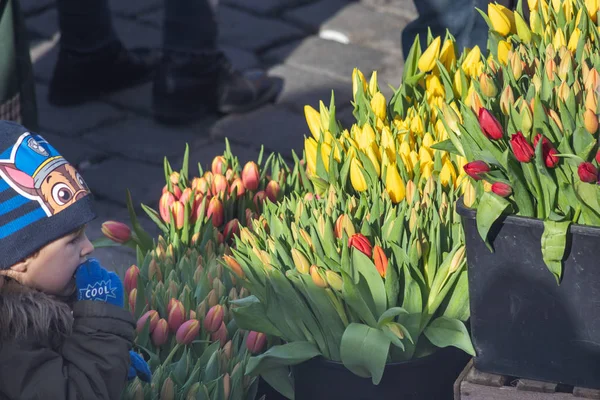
(38, 172)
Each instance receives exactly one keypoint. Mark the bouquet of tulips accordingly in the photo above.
(179, 297)
(532, 150)
(354, 279)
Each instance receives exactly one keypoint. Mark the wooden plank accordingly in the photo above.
(470, 391)
(483, 378)
(585, 393)
(536, 386)
(461, 378)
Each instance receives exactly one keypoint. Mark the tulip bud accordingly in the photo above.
(272, 190)
(250, 176)
(216, 212)
(214, 318)
(219, 186)
(394, 185)
(220, 335)
(334, 280)
(300, 261)
(593, 80)
(212, 299)
(548, 151)
(317, 278)
(237, 188)
(361, 243)
(381, 260)
(166, 200)
(258, 200)
(521, 148)
(116, 231)
(167, 392)
(255, 342)
(187, 332)
(500, 21)
(160, 335)
(342, 224)
(501, 189)
(590, 121)
(457, 259)
(154, 271)
(378, 105)
(219, 165)
(234, 266)
(488, 87)
(178, 211)
(132, 299)
(152, 315)
(591, 101)
(552, 114)
(357, 177)
(232, 228)
(428, 59)
(313, 119)
(587, 172)
(131, 276)
(490, 125)
(176, 315)
(507, 100)
(476, 168)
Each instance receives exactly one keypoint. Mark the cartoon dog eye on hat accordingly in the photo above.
(38, 172)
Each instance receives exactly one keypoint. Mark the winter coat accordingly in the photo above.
(48, 351)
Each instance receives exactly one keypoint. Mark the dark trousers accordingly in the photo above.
(458, 16)
(189, 25)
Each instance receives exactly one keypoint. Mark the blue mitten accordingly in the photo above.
(96, 283)
(138, 368)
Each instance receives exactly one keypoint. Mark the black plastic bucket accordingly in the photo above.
(523, 323)
(427, 378)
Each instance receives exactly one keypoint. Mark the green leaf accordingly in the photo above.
(547, 182)
(155, 217)
(280, 380)
(491, 207)
(281, 355)
(390, 315)
(444, 332)
(367, 269)
(364, 351)
(446, 145)
(104, 242)
(554, 241)
(355, 301)
(251, 314)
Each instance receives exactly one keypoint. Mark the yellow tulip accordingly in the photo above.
(568, 8)
(378, 105)
(533, 5)
(448, 174)
(373, 84)
(414, 158)
(425, 155)
(471, 62)
(440, 131)
(592, 8)
(394, 185)
(535, 23)
(430, 56)
(416, 125)
(556, 5)
(426, 170)
(559, 39)
(574, 40)
(448, 54)
(313, 118)
(358, 80)
(404, 149)
(372, 154)
(365, 136)
(310, 148)
(427, 141)
(357, 177)
(469, 193)
(500, 21)
(457, 83)
(522, 29)
(487, 186)
(503, 49)
(434, 86)
(325, 152)
(387, 139)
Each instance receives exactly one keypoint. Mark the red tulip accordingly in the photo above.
(131, 276)
(165, 206)
(152, 315)
(219, 185)
(272, 190)
(188, 331)
(176, 315)
(116, 231)
(231, 228)
(255, 342)
(237, 187)
(501, 189)
(361, 243)
(522, 149)
(214, 318)
(160, 335)
(259, 199)
(178, 210)
(548, 151)
(475, 168)
(250, 176)
(216, 212)
(220, 335)
(219, 164)
(587, 172)
(381, 260)
(489, 125)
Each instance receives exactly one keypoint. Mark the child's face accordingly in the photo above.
(52, 270)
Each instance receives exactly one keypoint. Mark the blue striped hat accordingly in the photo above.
(42, 196)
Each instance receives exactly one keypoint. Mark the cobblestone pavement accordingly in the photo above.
(312, 44)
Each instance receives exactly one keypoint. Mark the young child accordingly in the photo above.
(63, 331)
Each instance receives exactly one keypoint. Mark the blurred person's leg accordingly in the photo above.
(194, 76)
(92, 60)
(458, 16)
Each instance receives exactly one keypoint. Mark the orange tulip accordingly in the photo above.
(219, 165)
(250, 176)
(381, 261)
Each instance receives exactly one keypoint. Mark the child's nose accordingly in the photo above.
(87, 247)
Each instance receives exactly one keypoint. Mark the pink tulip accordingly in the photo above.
(131, 277)
(218, 165)
(116, 231)
(273, 189)
(231, 228)
(160, 335)
(188, 331)
(176, 315)
(214, 318)
(153, 315)
(219, 185)
(255, 342)
(250, 176)
(220, 335)
(237, 188)
(164, 206)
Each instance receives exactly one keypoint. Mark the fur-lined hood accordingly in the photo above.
(26, 312)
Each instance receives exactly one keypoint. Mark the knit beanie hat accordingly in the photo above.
(42, 197)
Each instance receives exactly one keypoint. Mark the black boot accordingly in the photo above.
(78, 78)
(186, 87)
